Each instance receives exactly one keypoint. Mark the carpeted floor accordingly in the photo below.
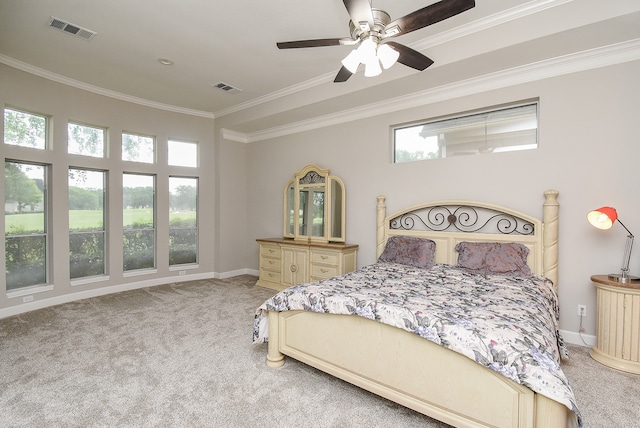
(180, 355)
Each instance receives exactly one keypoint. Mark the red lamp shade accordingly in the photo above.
(603, 218)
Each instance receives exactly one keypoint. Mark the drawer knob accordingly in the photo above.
(324, 257)
(324, 270)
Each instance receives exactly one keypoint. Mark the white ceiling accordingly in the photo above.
(234, 41)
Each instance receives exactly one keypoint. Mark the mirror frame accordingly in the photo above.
(328, 181)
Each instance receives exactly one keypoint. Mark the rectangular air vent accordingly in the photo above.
(71, 28)
(227, 88)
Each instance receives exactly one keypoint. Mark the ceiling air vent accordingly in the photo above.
(70, 28)
(227, 88)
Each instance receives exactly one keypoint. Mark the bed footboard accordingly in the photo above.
(409, 370)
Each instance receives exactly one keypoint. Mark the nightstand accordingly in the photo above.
(618, 324)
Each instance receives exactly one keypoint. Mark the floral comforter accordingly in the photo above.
(507, 324)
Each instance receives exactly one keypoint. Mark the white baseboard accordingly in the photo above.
(233, 273)
(100, 291)
(576, 338)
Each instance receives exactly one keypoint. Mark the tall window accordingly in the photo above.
(182, 153)
(138, 148)
(500, 130)
(26, 238)
(138, 201)
(25, 129)
(86, 140)
(86, 222)
(183, 220)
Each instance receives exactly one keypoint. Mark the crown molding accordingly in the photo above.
(572, 63)
(11, 62)
(487, 22)
(232, 135)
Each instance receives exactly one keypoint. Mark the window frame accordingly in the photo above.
(441, 152)
(154, 155)
(47, 128)
(196, 228)
(154, 228)
(47, 233)
(182, 165)
(105, 139)
(104, 231)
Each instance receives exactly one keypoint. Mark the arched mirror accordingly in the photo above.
(314, 206)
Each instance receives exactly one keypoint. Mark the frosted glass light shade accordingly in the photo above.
(352, 61)
(387, 55)
(372, 68)
(367, 51)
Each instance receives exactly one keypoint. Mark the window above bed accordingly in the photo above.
(503, 129)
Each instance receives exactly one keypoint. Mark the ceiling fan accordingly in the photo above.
(370, 28)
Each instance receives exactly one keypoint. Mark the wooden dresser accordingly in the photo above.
(285, 262)
(618, 324)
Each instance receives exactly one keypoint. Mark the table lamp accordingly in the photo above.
(604, 218)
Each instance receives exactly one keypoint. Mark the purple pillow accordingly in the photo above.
(494, 258)
(409, 250)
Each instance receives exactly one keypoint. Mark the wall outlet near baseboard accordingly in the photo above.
(582, 310)
(182, 272)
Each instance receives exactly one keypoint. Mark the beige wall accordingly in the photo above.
(588, 151)
(64, 103)
(232, 210)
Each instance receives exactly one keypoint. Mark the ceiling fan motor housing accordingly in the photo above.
(361, 30)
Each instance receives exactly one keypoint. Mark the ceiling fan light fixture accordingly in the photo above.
(372, 68)
(387, 56)
(352, 61)
(367, 51)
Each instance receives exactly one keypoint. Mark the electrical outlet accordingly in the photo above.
(27, 299)
(182, 272)
(582, 310)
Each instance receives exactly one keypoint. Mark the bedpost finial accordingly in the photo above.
(551, 195)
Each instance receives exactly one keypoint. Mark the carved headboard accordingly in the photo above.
(450, 222)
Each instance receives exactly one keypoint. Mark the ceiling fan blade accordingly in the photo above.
(429, 15)
(359, 11)
(309, 43)
(343, 75)
(410, 57)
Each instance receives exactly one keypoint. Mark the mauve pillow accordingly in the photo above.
(494, 257)
(409, 250)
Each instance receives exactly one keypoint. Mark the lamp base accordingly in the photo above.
(627, 279)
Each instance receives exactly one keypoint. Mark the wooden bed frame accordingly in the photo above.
(415, 372)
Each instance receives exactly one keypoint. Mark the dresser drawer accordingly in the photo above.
(325, 257)
(270, 276)
(321, 271)
(271, 251)
(270, 264)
